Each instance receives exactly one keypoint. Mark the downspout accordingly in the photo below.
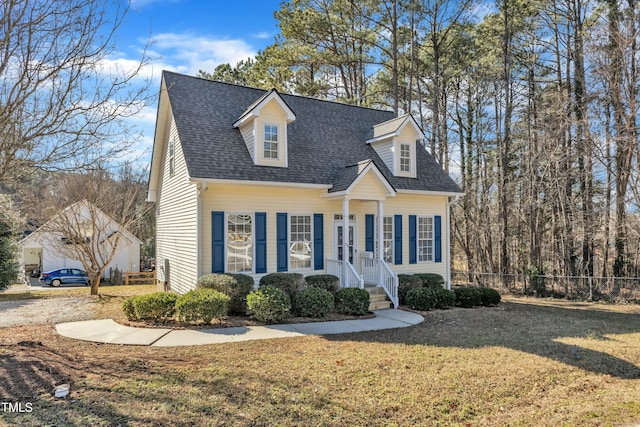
(449, 203)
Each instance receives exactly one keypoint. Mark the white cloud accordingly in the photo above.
(261, 35)
(188, 53)
(183, 53)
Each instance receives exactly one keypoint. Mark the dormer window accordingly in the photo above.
(395, 142)
(270, 141)
(263, 127)
(405, 158)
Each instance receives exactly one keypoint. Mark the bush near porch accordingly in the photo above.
(316, 296)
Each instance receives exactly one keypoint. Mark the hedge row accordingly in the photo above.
(199, 305)
(279, 295)
(474, 297)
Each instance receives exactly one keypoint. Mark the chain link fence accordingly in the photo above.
(613, 289)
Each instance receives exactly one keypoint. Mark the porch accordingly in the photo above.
(362, 182)
(372, 273)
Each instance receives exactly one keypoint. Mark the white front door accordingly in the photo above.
(339, 247)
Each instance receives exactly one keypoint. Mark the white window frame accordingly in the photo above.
(406, 158)
(172, 157)
(291, 241)
(253, 242)
(429, 240)
(265, 142)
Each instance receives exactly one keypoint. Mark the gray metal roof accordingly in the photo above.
(325, 139)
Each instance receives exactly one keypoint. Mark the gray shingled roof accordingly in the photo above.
(325, 139)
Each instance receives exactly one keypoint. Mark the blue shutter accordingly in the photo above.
(261, 242)
(318, 241)
(397, 239)
(369, 225)
(437, 238)
(281, 242)
(217, 242)
(412, 240)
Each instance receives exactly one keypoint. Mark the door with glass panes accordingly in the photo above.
(339, 247)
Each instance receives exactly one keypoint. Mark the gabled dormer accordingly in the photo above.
(263, 126)
(395, 141)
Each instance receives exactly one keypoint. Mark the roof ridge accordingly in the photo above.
(279, 93)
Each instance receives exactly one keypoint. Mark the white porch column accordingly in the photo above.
(380, 238)
(345, 238)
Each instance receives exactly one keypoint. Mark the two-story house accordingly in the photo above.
(253, 181)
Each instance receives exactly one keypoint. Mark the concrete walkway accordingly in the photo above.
(108, 331)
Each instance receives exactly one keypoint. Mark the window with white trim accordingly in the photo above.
(300, 242)
(239, 243)
(405, 158)
(270, 141)
(425, 239)
(172, 160)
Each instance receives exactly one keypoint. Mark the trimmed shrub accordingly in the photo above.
(406, 282)
(468, 297)
(236, 286)
(423, 299)
(268, 304)
(353, 301)
(327, 282)
(489, 297)
(129, 307)
(290, 283)
(444, 298)
(431, 280)
(158, 306)
(202, 305)
(313, 302)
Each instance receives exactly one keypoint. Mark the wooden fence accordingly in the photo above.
(144, 278)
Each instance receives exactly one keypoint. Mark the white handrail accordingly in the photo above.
(346, 272)
(354, 280)
(375, 270)
(389, 282)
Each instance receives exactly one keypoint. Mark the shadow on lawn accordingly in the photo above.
(531, 328)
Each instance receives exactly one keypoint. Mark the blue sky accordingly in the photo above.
(186, 36)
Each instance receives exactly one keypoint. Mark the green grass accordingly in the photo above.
(511, 365)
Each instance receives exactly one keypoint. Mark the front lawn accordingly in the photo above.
(527, 362)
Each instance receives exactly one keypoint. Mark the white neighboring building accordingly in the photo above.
(42, 248)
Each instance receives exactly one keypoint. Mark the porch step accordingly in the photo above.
(378, 299)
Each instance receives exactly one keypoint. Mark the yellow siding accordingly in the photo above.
(251, 199)
(369, 187)
(176, 232)
(409, 204)
(272, 113)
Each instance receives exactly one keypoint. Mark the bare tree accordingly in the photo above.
(63, 100)
(100, 211)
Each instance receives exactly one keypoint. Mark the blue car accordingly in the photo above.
(63, 276)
